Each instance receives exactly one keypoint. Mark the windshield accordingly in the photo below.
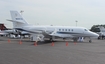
(85, 30)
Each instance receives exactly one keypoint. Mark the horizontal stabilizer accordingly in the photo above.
(15, 21)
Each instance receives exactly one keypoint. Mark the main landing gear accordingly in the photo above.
(51, 39)
(90, 40)
(75, 39)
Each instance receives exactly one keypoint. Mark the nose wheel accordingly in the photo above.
(90, 41)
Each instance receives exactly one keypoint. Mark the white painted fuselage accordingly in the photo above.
(60, 31)
(50, 31)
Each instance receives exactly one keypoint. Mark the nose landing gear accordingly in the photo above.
(90, 40)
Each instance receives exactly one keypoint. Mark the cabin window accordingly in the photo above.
(68, 29)
(65, 29)
(62, 29)
(59, 29)
(72, 30)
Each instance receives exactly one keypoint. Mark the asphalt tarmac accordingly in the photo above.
(12, 52)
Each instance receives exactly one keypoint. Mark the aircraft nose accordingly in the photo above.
(95, 34)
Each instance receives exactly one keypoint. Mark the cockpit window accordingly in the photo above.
(85, 29)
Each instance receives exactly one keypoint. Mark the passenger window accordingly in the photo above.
(68, 29)
(72, 29)
(62, 29)
(65, 29)
(59, 29)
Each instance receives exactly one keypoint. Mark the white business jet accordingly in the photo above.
(2, 33)
(10, 32)
(51, 31)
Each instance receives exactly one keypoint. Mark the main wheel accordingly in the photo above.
(51, 39)
(90, 41)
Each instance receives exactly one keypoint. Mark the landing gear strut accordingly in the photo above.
(64, 39)
(75, 39)
(90, 40)
(51, 39)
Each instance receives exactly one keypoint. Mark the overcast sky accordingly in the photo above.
(55, 12)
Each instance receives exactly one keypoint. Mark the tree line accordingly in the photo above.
(93, 28)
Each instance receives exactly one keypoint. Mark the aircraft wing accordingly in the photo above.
(3, 33)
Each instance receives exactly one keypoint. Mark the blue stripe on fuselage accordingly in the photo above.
(68, 33)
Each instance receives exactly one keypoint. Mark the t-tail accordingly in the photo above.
(17, 19)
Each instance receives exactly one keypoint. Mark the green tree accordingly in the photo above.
(93, 28)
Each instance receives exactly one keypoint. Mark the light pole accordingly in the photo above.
(76, 22)
(21, 12)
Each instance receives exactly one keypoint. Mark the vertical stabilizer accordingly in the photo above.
(2, 27)
(17, 20)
